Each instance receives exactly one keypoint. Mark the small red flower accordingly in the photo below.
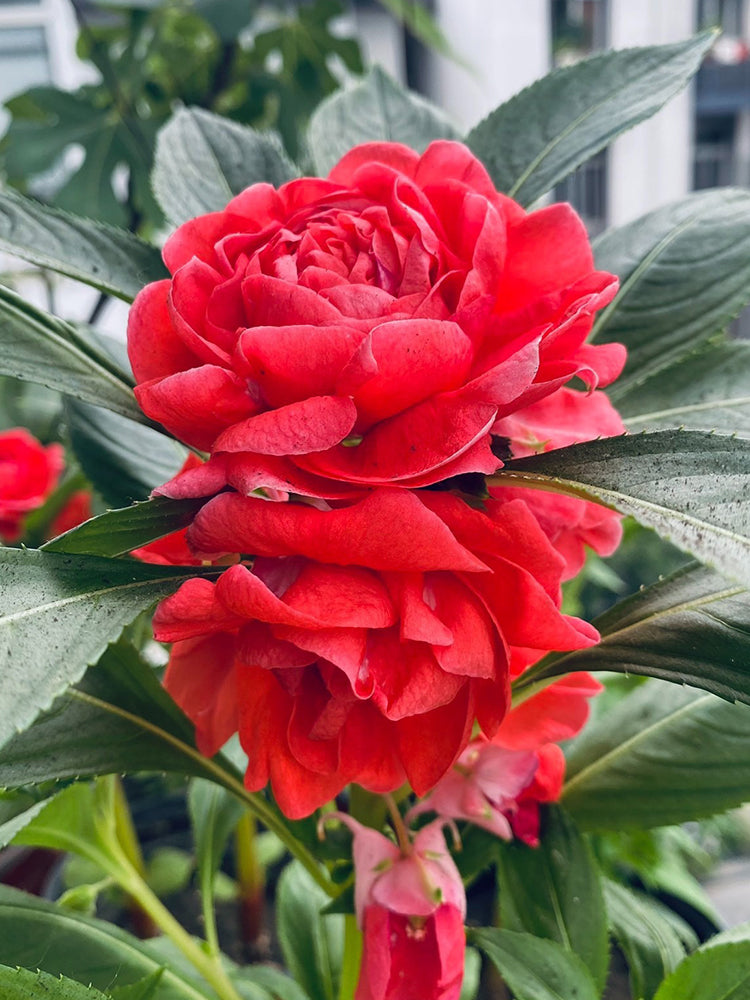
(29, 472)
(76, 510)
(365, 329)
(365, 641)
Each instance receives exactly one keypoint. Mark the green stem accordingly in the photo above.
(402, 834)
(352, 958)
(251, 877)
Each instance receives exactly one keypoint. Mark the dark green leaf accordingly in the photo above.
(684, 274)
(692, 628)
(533, 968)
(707, 390)
(542, 134)
(643, 929)
(663, 755)
(119, 531)
(38, 934)
(277, 984)
(124, 461)
(145, 989)
(78, 605)
(718, 973)
(38, 347)
(112, 260)
(21, 984)
(312, 944)
(376, 109)
(203, 160)
(554, 892)
(692, 488)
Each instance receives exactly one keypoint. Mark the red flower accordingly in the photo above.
(365, 641)
(365, 329)
(564, 418)
(28, 474)
(76, 510)
(411, 906)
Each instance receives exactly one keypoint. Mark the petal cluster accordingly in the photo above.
(29, 472)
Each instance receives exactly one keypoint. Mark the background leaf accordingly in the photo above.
(38, 347)
(535, 969)
(719, 973)
(664, 754)
(79, 605)
(553, 891)
(692, 488)
(203, 160)
(124, 461)
(112, 260)
(312, 944)
(39, 934)
(684, 274)
(375, 110)
(644, 931)
(542, 134)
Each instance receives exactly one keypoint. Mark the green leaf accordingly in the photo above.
(692, 488)
(664, 754)
(277, 984)
(554, 892)
(684, 274)
(692, 628)
(719, 973)
(542, 134)
(124, 461)
(112, 260)
(38, 347)
(78, 605)
(377, 109)
(312, 944)
(117, 719)
(706, 390)
(21, 984)
(39, 934)
(145, 989)
(643, 929)
(17, 810)
(421, 24)
(203, 160)
(533, 968)
(119, 531)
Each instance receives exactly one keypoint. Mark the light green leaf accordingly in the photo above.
(119, 531)
(692, 628)
(117, 719)
(684, 274)
(535, 969)
(664, 754)
(39, 934)
(707, 390)
(21, 984)
(145, 989)
(275, 983)
(376, 109)
(112, 260)
(312, 944)
(542, 134)
(203, 160)
(643, 929)
(553, 891)
(692, 488)
(38, 347)
(78, 605)
(17, 810)
(719, 973)
(124, 461)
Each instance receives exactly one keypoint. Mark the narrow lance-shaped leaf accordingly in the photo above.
(684, 274)
(665, 754)
(692, 488)
(112, 260)
(375, 110)
(119, 531)
(542, 134)
(38, 347)
(707, 390)
(203, 160)
(692, 628)
(78, 605)
(39, 934)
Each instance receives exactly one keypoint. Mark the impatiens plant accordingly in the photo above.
(372, 416)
